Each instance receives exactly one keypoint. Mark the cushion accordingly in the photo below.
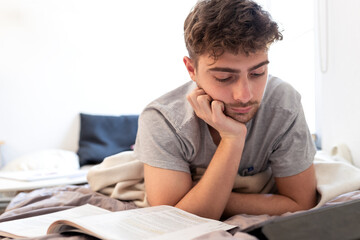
(102, 136)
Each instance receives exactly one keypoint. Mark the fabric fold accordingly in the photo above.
(121, 176)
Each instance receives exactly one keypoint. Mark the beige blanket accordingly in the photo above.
(121, 176)
(335, 176)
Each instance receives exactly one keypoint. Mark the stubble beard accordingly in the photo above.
(242, 117)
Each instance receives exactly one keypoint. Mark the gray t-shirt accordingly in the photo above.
(171, 136)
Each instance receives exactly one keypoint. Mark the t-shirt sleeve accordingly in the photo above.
(294, 149)
(158, 144)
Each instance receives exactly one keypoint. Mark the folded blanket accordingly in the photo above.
(121, 176)
(334, 177)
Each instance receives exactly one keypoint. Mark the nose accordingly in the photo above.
(242, 91)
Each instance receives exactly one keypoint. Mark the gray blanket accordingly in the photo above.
(50, 200)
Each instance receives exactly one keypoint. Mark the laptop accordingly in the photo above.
(334, 222)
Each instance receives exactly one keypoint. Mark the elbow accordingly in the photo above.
(161, 199)
(310, 202)
(305, 205)
(308, 205)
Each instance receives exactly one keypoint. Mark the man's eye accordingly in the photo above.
(255, 75)
(223, 79)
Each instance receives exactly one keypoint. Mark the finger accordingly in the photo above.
(201, 103)
(196, 92)
(204, 99)
(192, 99)
(204, 103)
(217, 108)
(193, 96)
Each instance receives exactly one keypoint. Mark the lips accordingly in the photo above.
(241, 110)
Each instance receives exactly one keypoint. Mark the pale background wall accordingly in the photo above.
(338, 115)
(60, 58)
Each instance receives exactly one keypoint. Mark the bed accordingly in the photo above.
(338, 181)
(50, 200)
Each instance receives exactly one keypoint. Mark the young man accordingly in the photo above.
(231, 119)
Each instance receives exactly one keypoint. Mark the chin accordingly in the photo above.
(242, 117)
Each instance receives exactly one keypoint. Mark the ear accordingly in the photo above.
(190, 67)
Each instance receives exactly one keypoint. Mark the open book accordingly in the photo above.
(161, 222)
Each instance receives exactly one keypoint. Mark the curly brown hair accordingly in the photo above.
(236, 26)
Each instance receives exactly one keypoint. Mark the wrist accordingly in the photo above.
(238, 135)
(233, 140)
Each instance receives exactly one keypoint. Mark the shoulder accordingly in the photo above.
(281, 96)
(172, 106)
(280, 108)
(280, 127)
(168, 131)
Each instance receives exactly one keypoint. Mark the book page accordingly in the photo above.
(38, 225)
(161, 222)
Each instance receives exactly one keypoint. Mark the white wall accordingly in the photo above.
(293, 58)
(59, 58)
(339, 83)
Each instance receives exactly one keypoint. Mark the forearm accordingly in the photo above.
(296, 192)
(257, 204)
(209, 197)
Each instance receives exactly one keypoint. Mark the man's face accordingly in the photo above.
(236, 80)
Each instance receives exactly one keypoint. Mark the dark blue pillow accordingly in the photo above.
(102, 136)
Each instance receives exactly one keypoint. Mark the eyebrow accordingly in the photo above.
(259, 65)
(232, 70)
